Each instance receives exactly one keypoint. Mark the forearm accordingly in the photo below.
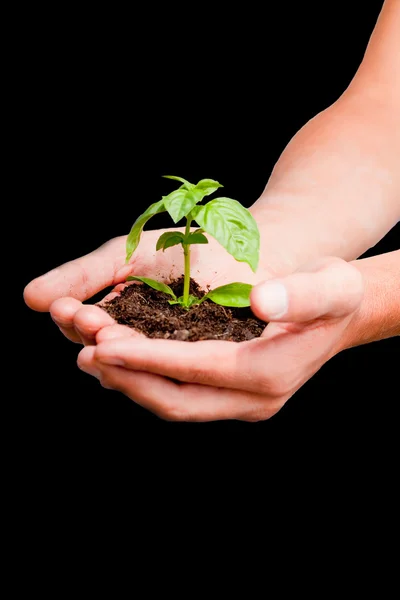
(379, 314)
(337, 184)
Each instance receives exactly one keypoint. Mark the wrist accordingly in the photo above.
(378, 316)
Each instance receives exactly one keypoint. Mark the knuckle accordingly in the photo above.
(350, 282)
(354, 280)
(342, 269)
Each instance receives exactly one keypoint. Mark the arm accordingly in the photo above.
(337, 183)
(378, 316)
(334, 191)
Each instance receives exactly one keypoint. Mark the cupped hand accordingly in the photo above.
(309, 313)
(63, 290)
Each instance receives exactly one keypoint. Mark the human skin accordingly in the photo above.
(338, 179)
(331, 305)
(334, 192)
(62, 290)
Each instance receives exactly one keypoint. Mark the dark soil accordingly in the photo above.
(147, 310)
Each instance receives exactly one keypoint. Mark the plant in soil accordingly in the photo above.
(182, 310)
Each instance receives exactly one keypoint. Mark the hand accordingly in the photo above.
(308, 312)
(63, 290)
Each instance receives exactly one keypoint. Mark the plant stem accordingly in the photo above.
(186, 251)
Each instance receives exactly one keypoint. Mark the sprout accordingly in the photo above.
(230, 223)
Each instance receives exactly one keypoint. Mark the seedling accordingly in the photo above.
(230, 223)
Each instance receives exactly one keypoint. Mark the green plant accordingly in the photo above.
(230, 223)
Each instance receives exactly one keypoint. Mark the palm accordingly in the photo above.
(63, 291)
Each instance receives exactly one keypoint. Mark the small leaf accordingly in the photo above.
(186, 183)
(168, 239)
(172, 241)
(208, 186)
(133, 238)
(199, 230)
(233, 294)
(196, 238)
(157, 285)
(233, 226)
(191, 301)
(180, 202)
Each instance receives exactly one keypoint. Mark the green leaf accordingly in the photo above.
(208, 186)
(233, 294)
(133, 238)
(196, 238)
(233, 226)
(168, 239)
(157, 285)
(186, 183)
(199, 230)
(191, 300)
(173, 241)
(180, 202)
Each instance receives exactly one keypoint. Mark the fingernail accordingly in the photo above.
(274, 299)
(91, 371)
(111, 360)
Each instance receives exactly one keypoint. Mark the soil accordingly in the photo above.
(148, 311)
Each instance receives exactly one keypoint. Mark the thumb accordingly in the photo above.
(329, 287)
(80, 278)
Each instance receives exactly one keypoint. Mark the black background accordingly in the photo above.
(107, 104)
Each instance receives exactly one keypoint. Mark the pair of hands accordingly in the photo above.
(308, 314)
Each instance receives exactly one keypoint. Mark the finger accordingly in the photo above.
(194, 362)
(80, 278)
(244, 366)
(62, 311)
(82, 327)
(185, 402)
(88, 320)
(331, 288)
(86, 362)
(111, 332)
(71, 334)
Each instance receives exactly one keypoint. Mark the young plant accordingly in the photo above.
(230, 223)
